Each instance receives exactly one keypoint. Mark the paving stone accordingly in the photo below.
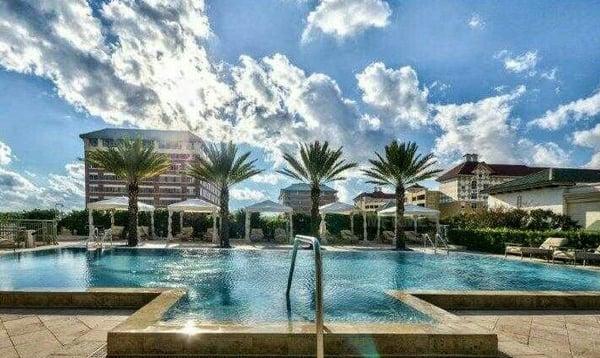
(8, 352)
(38, 336)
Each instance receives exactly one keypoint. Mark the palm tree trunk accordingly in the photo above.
(399, 227)
(132, 234)
(224, 213)
(315, 195)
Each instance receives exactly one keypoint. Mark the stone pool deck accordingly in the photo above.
(66, 333)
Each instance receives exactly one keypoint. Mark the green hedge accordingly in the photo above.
(493, 240)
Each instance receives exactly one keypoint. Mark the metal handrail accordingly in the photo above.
(443, 240)
(318, 286)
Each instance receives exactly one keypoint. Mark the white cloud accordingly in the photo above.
(346, 18)
(476, 22)
(483, 127)
(395, 93)
(544, 154)
(247, 194)
(280, 105)
(589, 138)
(572, 111)
(5, 154)
(268, 178)
(525, 62)
(137, 62)
(550, 75)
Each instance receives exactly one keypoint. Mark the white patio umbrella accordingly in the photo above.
(119, 203)
(192, 206)
(268, 206)
(342, 209)
(412, 211)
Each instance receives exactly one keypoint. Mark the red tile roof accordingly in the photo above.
(509, 170)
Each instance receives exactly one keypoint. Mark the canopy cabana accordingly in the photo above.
(192, 206)
(268, 206)
(120, 203)
(341, 209)
(411, 211)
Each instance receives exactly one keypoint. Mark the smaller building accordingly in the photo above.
(374, 201)
(572, 192)
(297, 196)
(421, 196)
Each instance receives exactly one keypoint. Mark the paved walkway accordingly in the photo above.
(27, 333)
(541, 333)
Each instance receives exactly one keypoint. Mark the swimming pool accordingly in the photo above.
(245, 286)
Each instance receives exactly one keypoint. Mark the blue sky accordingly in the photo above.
(516, 82)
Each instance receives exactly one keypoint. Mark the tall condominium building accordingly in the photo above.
(373, 201)
(171, 187)
(297, 196)
(464, 187)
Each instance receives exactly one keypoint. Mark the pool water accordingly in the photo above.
(244, 286)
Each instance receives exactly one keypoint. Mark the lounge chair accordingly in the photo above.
(117, 232)
(280, 236)
(349, 237)
(6, 243)
(144, 232)
(587, 256)
(388, 237)
(208, 236)
(186, 234)
(256, 235)
(413, 237)
(564, 254)
(546, 249)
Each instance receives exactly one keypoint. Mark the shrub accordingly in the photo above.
(494, 240)
(512, 219)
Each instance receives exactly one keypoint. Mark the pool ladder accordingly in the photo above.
(434, 242)
(318, 286)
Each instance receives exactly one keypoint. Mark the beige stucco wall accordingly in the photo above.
(546, 198)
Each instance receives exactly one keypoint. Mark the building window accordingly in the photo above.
(473, 205)
(473, 184)
(519, 201)
(473, 196)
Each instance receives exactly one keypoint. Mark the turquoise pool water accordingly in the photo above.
(249, 286)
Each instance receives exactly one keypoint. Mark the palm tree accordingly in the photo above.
(132, 161)
(317, 165)
(400, 167)
(222, 166)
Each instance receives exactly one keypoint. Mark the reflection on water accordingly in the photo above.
(248, 286)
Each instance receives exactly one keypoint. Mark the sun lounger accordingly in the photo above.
(208, 236)
(280, 236)
(587, 256)
(564, 254)
(413, 237)
(388, 237)
(349, 237)
(8, 243)
(144, 232)
(117, 232)
(256, 235)
(546, 249)
(186, 234)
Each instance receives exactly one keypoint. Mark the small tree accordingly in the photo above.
(132, 161)
(317, 165)
(222, 166)
(400, 167)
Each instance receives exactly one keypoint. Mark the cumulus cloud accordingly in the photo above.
(133, 62)
(345, 18)
(476, 22)
(268, 178)
(395, 93)
(582, 108)
(247, 194)
(483, 127)
(5, 154)
(525, 62)
(280, 105)
(589, 138)
(547, 154)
